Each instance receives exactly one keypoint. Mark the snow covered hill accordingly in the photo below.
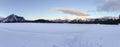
(13, 18)
(59, 35)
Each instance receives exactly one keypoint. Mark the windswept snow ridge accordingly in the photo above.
(59, 35)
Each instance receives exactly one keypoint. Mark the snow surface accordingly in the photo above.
(59, 35)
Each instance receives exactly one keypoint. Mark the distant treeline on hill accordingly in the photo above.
(18, 19)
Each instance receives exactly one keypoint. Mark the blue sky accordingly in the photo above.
(35, 9)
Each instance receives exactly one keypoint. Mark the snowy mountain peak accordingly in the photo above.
(12, 15)
(13, 18)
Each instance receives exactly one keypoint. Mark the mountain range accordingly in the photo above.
(18, 19)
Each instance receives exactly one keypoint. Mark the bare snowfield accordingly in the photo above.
(59, 35)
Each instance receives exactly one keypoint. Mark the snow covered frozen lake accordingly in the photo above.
(59, 35)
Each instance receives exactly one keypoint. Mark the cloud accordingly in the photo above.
(70, 11)
(109, 5)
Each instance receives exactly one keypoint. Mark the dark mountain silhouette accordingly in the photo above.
(13, 18)
(41, 21)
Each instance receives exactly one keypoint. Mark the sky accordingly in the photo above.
(50, 9)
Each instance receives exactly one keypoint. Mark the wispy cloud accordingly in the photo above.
(70, 11)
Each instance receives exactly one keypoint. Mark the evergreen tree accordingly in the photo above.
(119, 19)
